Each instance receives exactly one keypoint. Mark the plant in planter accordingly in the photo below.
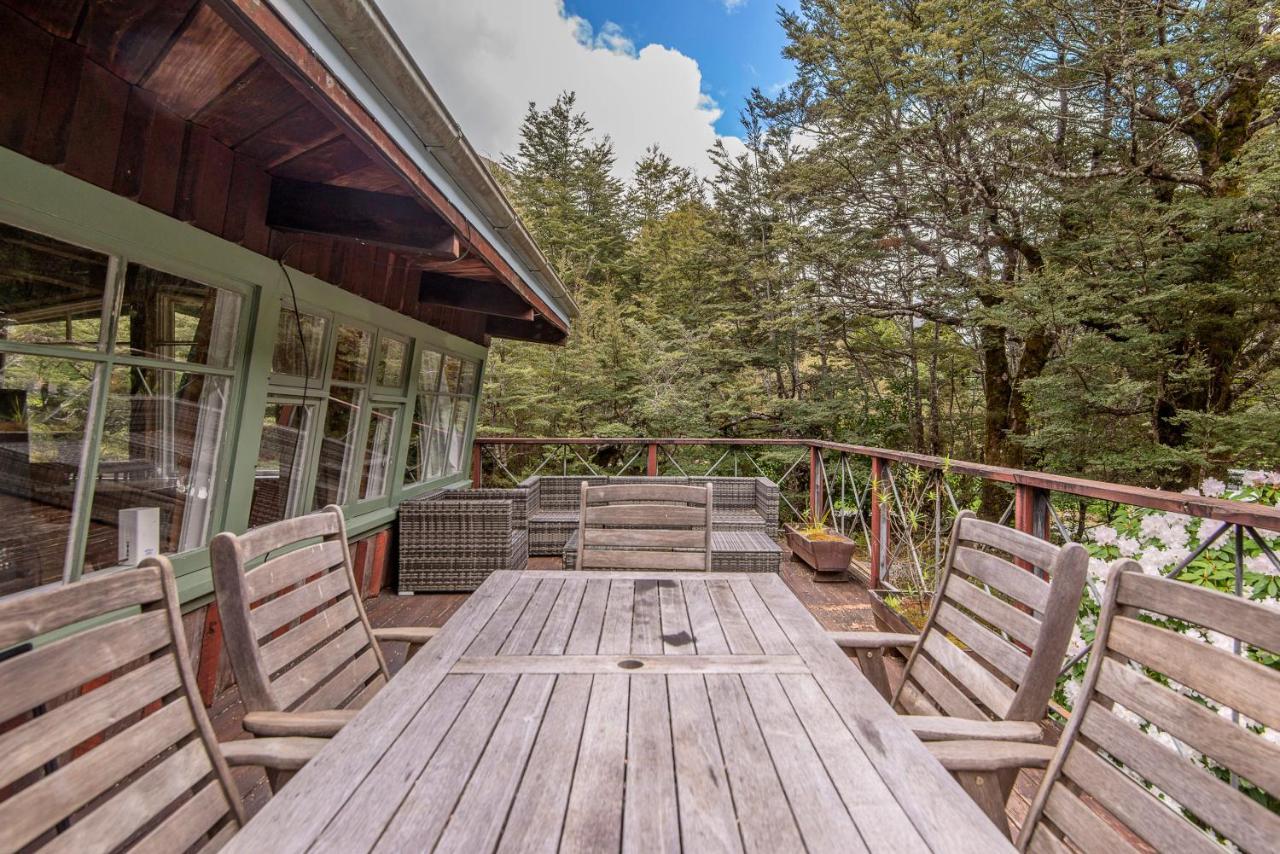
(903, 611)
(820, 546)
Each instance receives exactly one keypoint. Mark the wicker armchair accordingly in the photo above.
(452, 540)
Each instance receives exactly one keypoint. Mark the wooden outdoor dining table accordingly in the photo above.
(645, 711)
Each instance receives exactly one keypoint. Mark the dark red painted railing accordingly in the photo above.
(1031, 511)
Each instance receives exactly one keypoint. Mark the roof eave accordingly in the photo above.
(360, 48)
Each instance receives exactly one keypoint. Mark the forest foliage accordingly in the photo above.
(1042, 234)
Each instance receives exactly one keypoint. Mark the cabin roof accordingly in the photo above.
(359, 47)
(300, 129)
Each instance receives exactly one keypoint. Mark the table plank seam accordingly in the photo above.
(790, 796)
(577, 589)
(452, 722)
(545, 584)
(735, 680)
(825, 693)
(715, 725)
(915, 810)
(516, 590)
(457, 797)
(817, 751)
(734, 592)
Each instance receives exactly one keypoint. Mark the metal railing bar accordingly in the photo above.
(628, 463)
(583, 460)
(826, 486)
(717, 463)
(1220, 509)
(951, 496)
(1172, 573)
(753, 462)
(906, 526)
(505, 470)
(1008, 511)
(555, 451)
(1266, 549)
(674, 462)
(938, 480)
(1057, 522)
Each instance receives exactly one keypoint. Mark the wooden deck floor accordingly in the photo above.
(839, 606)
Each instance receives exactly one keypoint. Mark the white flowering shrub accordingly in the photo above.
(1160, 542)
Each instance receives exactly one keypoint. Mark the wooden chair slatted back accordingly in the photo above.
(295, 629)
(105, 741)
(1159, 733)
(1015, 624)
(645, 526)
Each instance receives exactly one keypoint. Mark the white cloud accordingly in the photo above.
(734, 5)
(488, 60)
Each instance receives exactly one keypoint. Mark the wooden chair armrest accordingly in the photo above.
(938, 728)
(321, 724)
(279, 754)
(872, 640)
(989, 755)
(413, 635)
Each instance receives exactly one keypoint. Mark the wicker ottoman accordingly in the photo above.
(731, 551)
(453, 540)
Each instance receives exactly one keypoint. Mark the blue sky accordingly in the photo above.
(736, 49)
(669, 72)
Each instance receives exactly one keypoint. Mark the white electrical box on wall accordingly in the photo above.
(139, 535)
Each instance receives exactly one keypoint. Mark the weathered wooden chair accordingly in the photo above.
(301, 647)
(645, 526)
(1016, 627)
(1133, 743)
(107, 744)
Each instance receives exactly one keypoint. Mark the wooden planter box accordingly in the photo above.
(887, 619)
(828, 558)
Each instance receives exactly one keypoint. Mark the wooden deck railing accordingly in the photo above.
(900, 502)
(1031, 509)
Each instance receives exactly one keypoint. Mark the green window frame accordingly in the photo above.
(446, 399)
(157, 377)
(49, 202)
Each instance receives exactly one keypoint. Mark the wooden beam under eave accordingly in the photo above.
(538, 330)
(385, 219)
(474, 295)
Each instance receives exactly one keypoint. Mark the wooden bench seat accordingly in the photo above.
(731, 551)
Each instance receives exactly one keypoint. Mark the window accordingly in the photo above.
(351, 356)
(338, 447)
(441, 417)
(299, 345)
(391, 362)
(377, 451)
(44, 408)
(159, 449)
(50, 292)
(338, 388)
(280, 474)
(111, 438)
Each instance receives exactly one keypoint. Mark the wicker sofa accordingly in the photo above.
(453, 539)
(738, 504)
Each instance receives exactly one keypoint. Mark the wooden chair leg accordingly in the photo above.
(872, 663)
(984, 788)
(276, 778)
